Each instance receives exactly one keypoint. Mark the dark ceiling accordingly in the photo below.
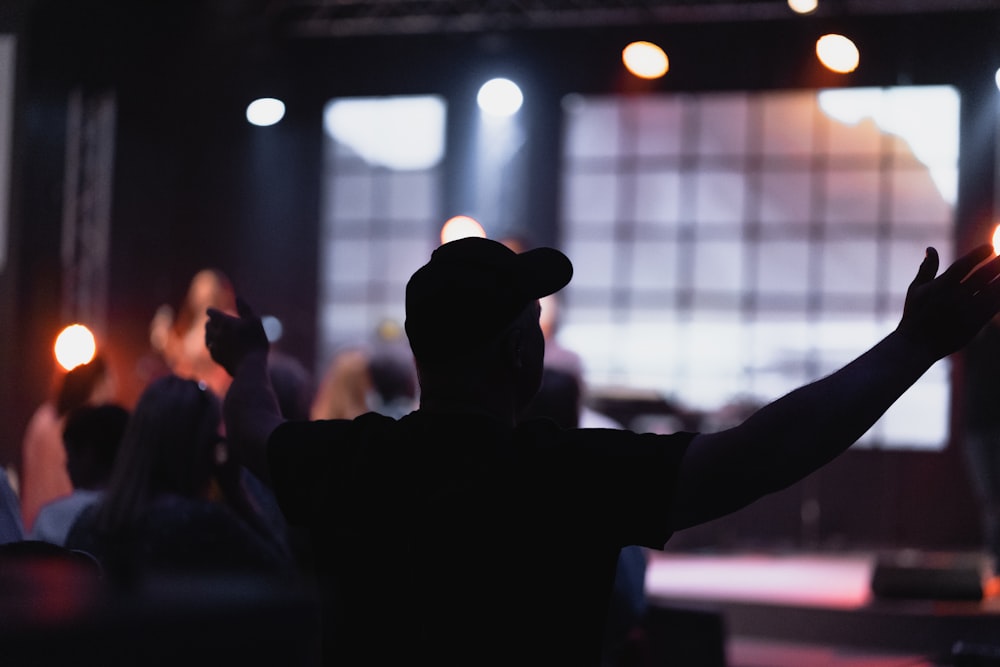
(340, 18)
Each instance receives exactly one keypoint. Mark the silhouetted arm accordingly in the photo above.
(250, 409)
(798, 433)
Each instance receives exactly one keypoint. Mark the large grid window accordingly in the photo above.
(381, 202)
(733, 246)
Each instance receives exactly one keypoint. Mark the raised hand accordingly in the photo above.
(231, 339)
(944, 313)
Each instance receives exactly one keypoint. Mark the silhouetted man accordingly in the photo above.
(458, 536)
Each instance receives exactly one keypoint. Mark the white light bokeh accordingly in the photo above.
(265, 111)
(931, 134)
(273, 328)
(500, 97)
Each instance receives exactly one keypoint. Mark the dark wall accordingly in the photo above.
(196, 186)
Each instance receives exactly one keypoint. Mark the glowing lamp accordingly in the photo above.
(996, 240)
(75, 345)
(645, 60)
(265, 111)
(500, 97)
(803, 6)
(837, 53)
(460, 227)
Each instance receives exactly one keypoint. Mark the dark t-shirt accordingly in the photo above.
(452, 539)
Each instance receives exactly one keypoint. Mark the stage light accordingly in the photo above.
(500, 97)
(996, 77)
(645, 60)
(265, 111)
(996, 240)
(803, 6)
(460, 227)
(837, 53)
(75, 345)
(273, 328)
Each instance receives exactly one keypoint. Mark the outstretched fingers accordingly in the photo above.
(983, 276)
(961, 268)
(928, 268)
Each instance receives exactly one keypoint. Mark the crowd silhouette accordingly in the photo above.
(448, 504)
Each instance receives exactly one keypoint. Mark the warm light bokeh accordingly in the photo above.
(645, 60)
(75, 345)
(996, 240)
(459, 227)
(837, 53)
(803, 6)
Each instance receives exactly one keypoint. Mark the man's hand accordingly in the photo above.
(230, 339)
(942, 314)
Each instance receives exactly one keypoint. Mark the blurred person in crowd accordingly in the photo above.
(170, 507)
(179, 336)
(44, 476)
(11, 528)
(376, 376)
(91, 437)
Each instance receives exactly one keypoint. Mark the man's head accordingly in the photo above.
(92, 436)
(471, 291)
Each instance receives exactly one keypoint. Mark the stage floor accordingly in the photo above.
(818, 609)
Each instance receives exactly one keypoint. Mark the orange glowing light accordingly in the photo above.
(460, 227)
(803, 6)
(645, 60)
(996, 240)
(837, 53)
(75, 345)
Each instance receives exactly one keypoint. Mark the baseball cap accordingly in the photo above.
(473, 288)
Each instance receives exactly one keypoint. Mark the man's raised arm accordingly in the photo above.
(800, 432)
(250, 409)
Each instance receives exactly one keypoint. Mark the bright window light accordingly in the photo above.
(405, 132)
(500, 97)
(931, 134)
(265, 111)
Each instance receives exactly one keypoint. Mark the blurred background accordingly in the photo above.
(742, 221)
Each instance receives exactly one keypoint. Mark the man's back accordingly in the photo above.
(448, 540)
(442, 535)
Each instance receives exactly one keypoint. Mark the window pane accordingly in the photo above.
(778, 249)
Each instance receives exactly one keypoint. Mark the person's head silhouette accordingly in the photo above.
(472, 318)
